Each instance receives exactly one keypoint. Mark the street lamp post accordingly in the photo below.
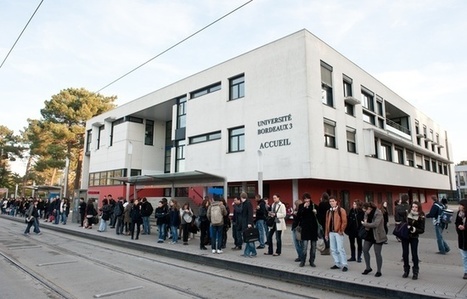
(260, 173)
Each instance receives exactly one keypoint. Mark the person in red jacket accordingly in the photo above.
(336, 222)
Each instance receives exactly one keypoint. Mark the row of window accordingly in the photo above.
(106, 178)
(373, 108)
(385, 150)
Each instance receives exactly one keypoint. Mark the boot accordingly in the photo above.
(415, 273)
(406, 271)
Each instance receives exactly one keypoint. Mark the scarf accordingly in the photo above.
(413, 215)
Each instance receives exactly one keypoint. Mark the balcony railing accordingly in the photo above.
(397, 126)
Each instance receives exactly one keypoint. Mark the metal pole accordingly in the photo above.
(260, 173)
(128, 171)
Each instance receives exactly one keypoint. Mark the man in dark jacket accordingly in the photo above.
(435, 213)
(307, 220)
(247, 222)
(323, 208)
(261, 213)
(146, 211)
(237, 224)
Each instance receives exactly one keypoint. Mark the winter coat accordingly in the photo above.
(374, 222)
(354, 222)
(416, 222)
(340, 221)
(280, 214)
(400, 214)
(306, 218)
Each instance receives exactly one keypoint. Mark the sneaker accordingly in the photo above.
(219, 251)
(465, 276)
(160, 241)
(213, 251)
(345, 269)
(334, 267)
(352, 259)
(26, 234)
(260, 247)
(298, 259)
(378, 274)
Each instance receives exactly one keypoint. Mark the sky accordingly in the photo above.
(417, 48)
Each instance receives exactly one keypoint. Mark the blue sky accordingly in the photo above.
(416, 48)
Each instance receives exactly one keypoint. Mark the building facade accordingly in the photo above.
(289, 117)
(461, 181)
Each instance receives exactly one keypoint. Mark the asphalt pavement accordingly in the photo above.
(440, 275)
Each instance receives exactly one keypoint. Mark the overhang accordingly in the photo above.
(177, 179)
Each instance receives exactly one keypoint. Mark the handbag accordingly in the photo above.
(29, 219)
(251, 234)
(271, 220)
(298, 233)
(362, 232)
(320, 244)
(401, 231)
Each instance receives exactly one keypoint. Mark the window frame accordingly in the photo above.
(327, 97)
(330, 133)
(237, 139)
(237, 88)
(351, 144)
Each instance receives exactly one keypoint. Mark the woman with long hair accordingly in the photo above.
(174, 220)
(204, 224)
(354, 222)
(375, 236)
(416, 226)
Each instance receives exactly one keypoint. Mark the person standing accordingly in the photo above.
(82, 211)
(384, 209)
(204, 223)
(64, 210)
(186, 215)
(90, 213)
(162, 219)
(146, 212)
(174, 220)
(297, 244)
(323, 208)
(354, 222)
(416, 226)
(376, 236)
(247, 222)
(461, 229)
(279, 212)
(306, 218)
(118, 215)
(105, 215)
(336, 222)
(236, 224)
(435, 213)
(215, 214)
(261, 213)
(136, 219)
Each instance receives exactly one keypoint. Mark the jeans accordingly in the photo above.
(262, 227)
(250, 249)
(119, 225)
(305, 249)
(278, 240)
(413, 242)
(299, 245)
(237, 236)
(102, 225)
(464, 259)
(443, 247)
(174, 232)
(57, 216)
(34, 223)
(336, 244)
(216, 236)
(162, 230)
(355, 255)
(64, 217)
(146, 226)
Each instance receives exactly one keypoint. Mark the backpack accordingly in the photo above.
(446, 216)
(216, 215)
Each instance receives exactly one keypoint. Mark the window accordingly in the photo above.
(168, 146)
(89, 141)
(134, 119)
(349, 109)
(399, 155)
(427, 164)
(368, 100)
(326, 84)
(329, 133)
(410, 159)
(100, 136)
(236, 139)
(181, 112)
(347, 86)
(180, 156)
(379, 105)
(237, 87)
(205, 137)
(419, 161)
(417, 133)
(433, 166)
(369, 118)
(205, 90)
(351, 144)
(114, 123)
(149, 133)
(386, 152)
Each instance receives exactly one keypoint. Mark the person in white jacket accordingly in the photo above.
(279, 212)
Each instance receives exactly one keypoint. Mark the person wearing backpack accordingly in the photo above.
(215, 214)
(461, 229)
(435, 213)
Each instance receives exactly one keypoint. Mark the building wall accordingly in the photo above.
(283, 117)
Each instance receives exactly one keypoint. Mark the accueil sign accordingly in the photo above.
(275, 125)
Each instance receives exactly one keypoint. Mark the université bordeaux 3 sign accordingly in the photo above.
(274, 125)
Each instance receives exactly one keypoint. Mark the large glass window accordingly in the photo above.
(237, 87)
(205, 90)
(181, 112)
(205, 137)
(88, 141)
(168, 146)
(100, 135)
(351, 144)
(399, 155)
(149, 133)
(347, 86)
(329, 133)
(386, 152)
(114, 123)
(236, 139)
(368, 100)
(326, 84)
(180, 156)
(410, 158)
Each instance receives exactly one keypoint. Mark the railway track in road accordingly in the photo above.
(146, 271)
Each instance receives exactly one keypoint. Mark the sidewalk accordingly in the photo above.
(440, 275)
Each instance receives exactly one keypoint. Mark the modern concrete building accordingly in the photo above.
(289, 117)
(461, 181)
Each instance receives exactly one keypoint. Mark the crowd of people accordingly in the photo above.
(321, 227)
